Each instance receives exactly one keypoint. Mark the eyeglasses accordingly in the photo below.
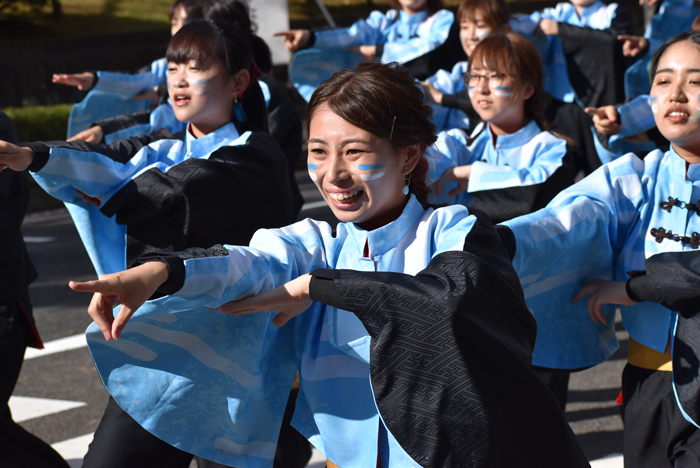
(493, 80)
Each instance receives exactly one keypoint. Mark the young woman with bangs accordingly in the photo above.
(141, 195)
(445, 90)
(600, 232)
(368, 133)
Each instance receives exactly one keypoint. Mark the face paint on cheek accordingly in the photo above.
(470, 91)
(375, 171)
(502, 91)
(312, 167)
(201, 85)
(696, 117)
(483, 34)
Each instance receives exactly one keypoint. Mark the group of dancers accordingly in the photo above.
(437, 323)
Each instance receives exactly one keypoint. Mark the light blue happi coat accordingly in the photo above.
(216, 385)
(674, 17)
(526, 157)
(601, 228)
(597, 15)
(112, 95)
(404, 37)
(96, 174)
(452, 82)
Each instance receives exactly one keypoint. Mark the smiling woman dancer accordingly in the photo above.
(216, 384)
(606, 226)
(140, 195)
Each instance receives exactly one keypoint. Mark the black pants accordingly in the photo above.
(557, 381)
(656, 433)
(121, 442)
(18, 448)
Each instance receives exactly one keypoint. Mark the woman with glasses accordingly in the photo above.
(511, 165)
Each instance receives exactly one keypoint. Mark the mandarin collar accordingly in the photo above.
(385, 238)
(414, 18)
(587, 11)
(515, 140)
(198, 147)
(678, 167)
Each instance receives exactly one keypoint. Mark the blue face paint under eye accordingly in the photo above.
(369, 167)
(312, 167)
(502, 91)
(652, 99)
(377, 171)
(200, 82)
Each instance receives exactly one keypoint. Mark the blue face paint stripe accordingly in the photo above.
(503, 88)
(312, 167)
(654, 98)
(369, 167)
(200, 82)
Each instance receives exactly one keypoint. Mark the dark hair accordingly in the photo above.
(433, 6)
(693, 37)
(495, 13)
(695, 27)
(228, 45)
(236, 12)
(512, 54)
(193, 9)
(385, 100)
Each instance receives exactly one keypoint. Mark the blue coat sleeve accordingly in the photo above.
(432, 33)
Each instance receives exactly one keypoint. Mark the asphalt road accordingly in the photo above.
(69, 375)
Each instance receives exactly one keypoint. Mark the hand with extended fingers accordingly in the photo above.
(603, 292)
(459, 174)
(432, 93)
(130, 288)
(632, 45)
(15, 157)
(93, 134)
(605, 119)
(294, 39)
(82, 81)
(290, 300)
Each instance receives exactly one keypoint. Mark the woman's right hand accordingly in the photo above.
(459, 174)
(432, 93)
(15, 157)
(294, 39)
(82, 81)
(91, 135)
(605, 119)
(130, 288)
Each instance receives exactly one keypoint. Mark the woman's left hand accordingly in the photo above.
(290, 300)
(459, 174)
(431, 93)
(603, 292)
(549, 27)
(369, 52)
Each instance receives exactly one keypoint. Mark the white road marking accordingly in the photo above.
(38, 239)
(74, 450)
(614, 460)
(25, 408)
(57, 346)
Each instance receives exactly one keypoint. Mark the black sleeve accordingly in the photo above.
(176, 265)
(119, 151)
(585, 50)
(671, 279)
(462, 102)
(200, 202)
(16, 268)
(508, 203)
(569, 120)
(120, 122)
(446, 347)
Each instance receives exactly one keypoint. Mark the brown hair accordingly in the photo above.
(433, 6)
(512, 54)
(193, 9)
(230, 46)
(695, 27)
(494, 12)
(385, 100)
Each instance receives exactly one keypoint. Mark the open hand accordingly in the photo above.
(605, 119)
(290, 300)
(294, 39)
(82, 81)
(14, 157)
(459, 174)
(603, 292)
(131, 288)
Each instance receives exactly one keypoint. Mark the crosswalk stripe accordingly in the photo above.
(57, 346)
(74, 449)
(25, 408)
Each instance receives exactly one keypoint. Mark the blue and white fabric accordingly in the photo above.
(404, 37)
(96, 174)
(112, 95)
(527, 157)
(216, 385)
(601, 228)
(597, 15)
(674, 17)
